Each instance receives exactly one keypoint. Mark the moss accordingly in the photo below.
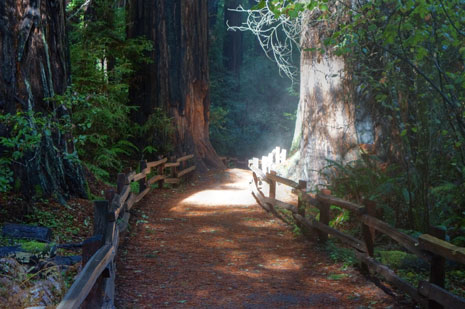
(397, 259)
(87, 189)
(34, 246)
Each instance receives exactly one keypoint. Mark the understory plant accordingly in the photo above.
(102, 62)
(406, 59)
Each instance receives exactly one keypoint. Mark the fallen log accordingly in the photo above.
(38, 233)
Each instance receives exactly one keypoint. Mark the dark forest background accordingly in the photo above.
(253, 106)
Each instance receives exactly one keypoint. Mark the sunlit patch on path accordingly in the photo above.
(211, 246)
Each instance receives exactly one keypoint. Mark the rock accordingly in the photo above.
(27, 231)
(12, 268)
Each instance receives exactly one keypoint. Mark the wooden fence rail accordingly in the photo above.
(430, 248)
(95, 285)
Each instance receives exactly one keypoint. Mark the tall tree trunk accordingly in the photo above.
(35, 65)
(178, 79)
(212, 13)
(328, 124)
(232, 48)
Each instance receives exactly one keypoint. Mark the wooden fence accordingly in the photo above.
(429, 247)
(95, 285)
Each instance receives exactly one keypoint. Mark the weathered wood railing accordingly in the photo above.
(95, 285)
(430, 248)
(271, 161)
(228, 161)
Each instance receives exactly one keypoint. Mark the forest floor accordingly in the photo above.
(207, 244)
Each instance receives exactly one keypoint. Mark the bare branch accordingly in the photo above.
(278, 35)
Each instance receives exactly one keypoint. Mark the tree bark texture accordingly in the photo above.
(328, 124)
(178, 79)
(34, 65)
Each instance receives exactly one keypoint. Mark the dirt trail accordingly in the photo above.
(211, 246)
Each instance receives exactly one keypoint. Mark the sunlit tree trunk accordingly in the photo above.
(34, 66)
(178, 79)
(328, 126)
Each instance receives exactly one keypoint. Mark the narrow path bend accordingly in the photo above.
(209, 245)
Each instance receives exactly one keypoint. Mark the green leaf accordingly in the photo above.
(323, 7)
(259, 5)
(406, 195)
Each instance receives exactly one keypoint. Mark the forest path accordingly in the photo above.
(210, 245)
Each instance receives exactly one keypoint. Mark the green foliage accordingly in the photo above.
(63, 225)
(34, 246)
(25, 132)
(156, 133)
(342, 216)
(407, 58)
(102, 61)
(341, 255)
(396, 259)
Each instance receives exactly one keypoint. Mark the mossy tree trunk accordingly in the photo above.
(178, 79)
(34, 66)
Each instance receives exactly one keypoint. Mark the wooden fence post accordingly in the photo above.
(283, 155)
(143, 181)
(183, 164)
(368, 232)
(273, 186)
(174, 169)
(270, 161)
(91, 245)
(121, 181)
(109, 195)
(161, 169)
(265, 164)
(255, 163)
(438, 266)
(101, 209)
(324, 216)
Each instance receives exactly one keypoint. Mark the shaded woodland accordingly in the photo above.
(367, 97)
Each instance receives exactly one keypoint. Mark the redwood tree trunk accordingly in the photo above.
(212, 13)
(328, 125)
(34, 66)
(232, 48)
(177, 80)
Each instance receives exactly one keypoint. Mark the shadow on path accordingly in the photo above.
(209, 245)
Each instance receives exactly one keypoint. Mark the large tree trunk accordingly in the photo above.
(177, 80)
(212, 13)
(328, 124)
(232, 48)
(34, 66)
